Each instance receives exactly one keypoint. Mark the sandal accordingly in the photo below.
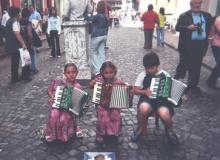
(136, 135)
(173, 138)
(80, 133)
(49, 139)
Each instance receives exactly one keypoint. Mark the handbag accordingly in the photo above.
(36, 39)
(25, 57)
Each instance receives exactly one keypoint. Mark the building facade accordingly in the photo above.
(38, 4)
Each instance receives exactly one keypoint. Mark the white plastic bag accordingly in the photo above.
(25, 57)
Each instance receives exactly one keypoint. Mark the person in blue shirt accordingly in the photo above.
(98, 37)
(194, 26)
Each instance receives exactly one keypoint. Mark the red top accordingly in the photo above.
(150, 18)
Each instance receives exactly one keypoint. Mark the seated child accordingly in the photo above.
(146, 105)
(61, 125)
(109, 122)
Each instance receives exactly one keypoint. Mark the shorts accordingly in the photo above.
(157, 103)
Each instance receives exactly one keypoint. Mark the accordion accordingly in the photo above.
(167, 87)
(112, 96)
(71, 99)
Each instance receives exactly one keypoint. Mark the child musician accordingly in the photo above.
(61, 125)
(109, 122)
(147, 106)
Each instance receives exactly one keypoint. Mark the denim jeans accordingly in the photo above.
(97, 54)
(160, 36)
(55, 43)
(33, 59)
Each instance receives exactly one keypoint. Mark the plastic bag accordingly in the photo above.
(25, 57)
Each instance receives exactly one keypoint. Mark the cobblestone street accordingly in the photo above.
(24, 108)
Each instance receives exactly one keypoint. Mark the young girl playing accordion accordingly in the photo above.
(61, 125)
(109, 122)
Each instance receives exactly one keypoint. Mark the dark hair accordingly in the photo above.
(51, 10)
(101, 7)
(70, 65)
(162, 11)
(150, 7)
(13, 11)
(25, 13)
(150, 60)
(99, 156)
(106, 65)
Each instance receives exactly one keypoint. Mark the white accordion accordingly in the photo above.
(112, 96)
(70, 99)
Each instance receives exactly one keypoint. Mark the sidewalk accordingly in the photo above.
(171, 39)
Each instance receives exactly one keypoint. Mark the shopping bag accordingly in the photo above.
(25, 57)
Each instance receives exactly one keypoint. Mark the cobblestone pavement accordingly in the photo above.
(24, 108)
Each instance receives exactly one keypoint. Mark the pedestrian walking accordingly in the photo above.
(61, 125)
(150, 18)
(109, 122)
(36, 19)
(98, 38)
(194, 26)
(215, 44)
(54, 30)
(45, 26)
(147, 105)
(26, 32)
(160, 27)
(13, 36)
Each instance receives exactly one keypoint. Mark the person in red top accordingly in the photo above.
(150, 18)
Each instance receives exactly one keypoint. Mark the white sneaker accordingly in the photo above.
(58, 56)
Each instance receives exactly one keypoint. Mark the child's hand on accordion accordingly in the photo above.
(51, 100)
(147, 92)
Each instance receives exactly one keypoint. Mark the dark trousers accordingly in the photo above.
(55, 44)
(216, 71)
(191, 60)
(14, 66)
(15, 58)
(148, 38)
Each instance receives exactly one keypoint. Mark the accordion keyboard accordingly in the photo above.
(96, 98)
(155, 82)
(58, 96)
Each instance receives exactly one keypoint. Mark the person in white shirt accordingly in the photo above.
(54, 30)
(4, 20)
